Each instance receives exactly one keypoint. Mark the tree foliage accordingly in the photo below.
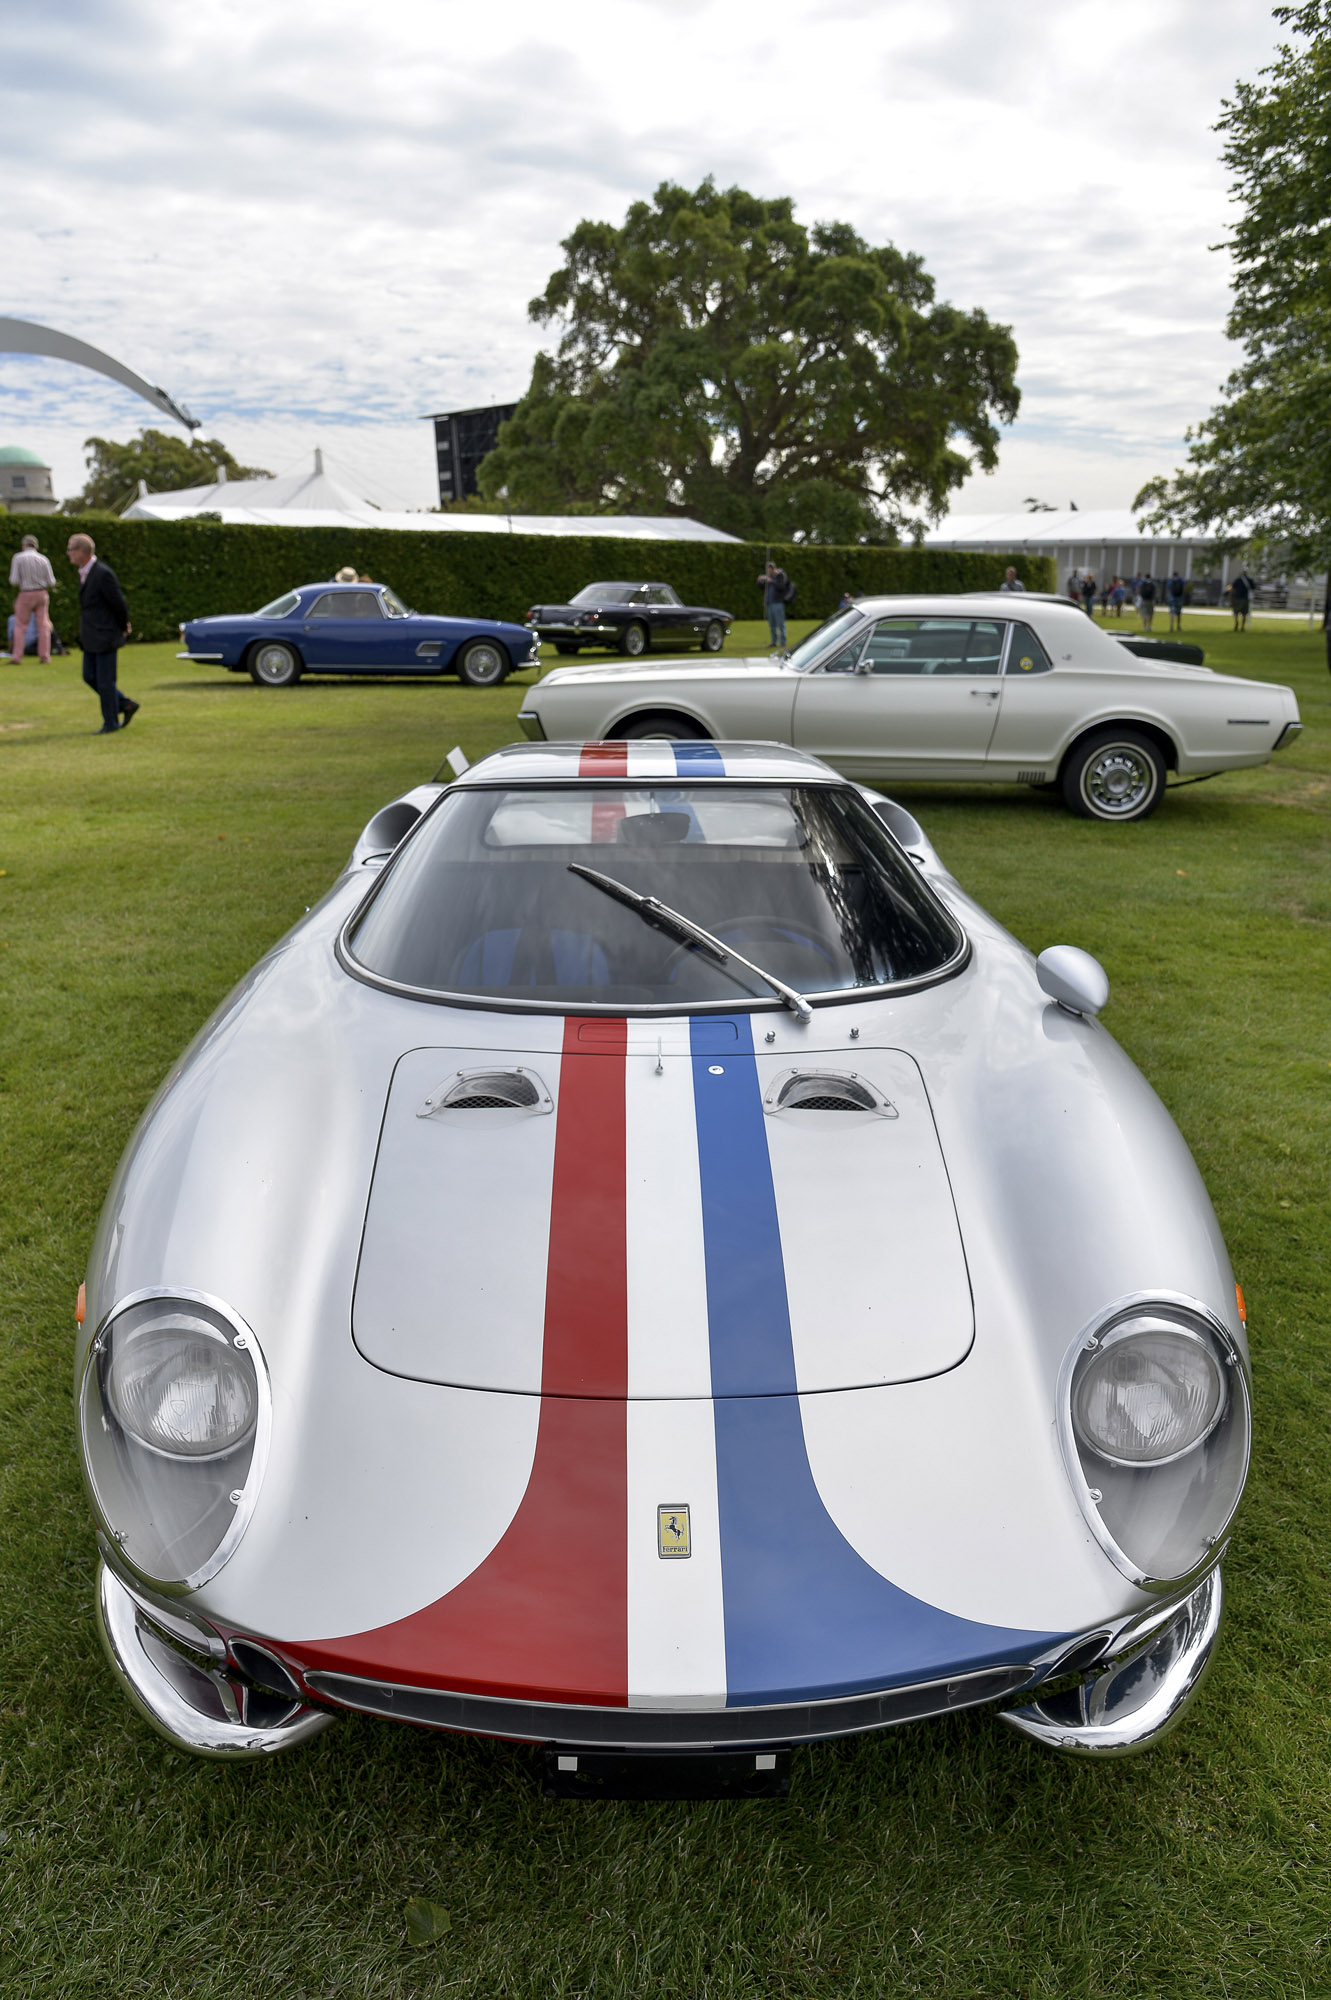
(1259, 468)
(166, 462)
(718, 359)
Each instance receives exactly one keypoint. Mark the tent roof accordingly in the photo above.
(1075, 527)
(317, 499)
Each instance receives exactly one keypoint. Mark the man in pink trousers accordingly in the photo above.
(35, 579)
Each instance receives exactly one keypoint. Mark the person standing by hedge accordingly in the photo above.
(777, 593)
(35, 580)
(103, 628)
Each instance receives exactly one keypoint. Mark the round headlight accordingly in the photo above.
(175, 1412)
(1150, 1394)
(179, 1386)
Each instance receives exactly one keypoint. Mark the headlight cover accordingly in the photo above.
(1156, 1427)
(174, 1413)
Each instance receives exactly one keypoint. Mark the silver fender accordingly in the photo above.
(1138, 1699)
(192, 1705)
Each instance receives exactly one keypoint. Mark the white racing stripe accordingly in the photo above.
(676, 1630)
(651, 758)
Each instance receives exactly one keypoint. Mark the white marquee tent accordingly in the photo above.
(317, 499)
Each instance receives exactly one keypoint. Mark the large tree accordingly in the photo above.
(166, 463)
(718, 359)
(1259, 466)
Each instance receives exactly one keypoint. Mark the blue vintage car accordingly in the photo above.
(356, 628)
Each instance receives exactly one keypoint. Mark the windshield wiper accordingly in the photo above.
(662, 918)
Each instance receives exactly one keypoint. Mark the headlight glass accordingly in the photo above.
(1157, 1435)
(182, 1389)
(1152, 1393)
(174, 1413)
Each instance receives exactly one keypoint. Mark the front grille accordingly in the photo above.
(665, 1729)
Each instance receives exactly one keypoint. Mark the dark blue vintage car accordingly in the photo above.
(356, 628)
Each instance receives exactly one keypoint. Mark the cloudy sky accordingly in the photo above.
(314, 224)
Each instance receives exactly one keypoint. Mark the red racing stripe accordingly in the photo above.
(545, 1615)
(604, 760)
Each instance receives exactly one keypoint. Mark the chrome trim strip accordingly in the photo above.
(744, 1004)
(665, 1729)
(193, 1707)
(1137, 1700)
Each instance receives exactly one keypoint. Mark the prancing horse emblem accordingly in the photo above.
(672, 1531)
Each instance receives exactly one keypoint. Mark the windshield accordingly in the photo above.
(280, 606)
(606, 593)
(803, 880)
(811, 649)
(393, 604)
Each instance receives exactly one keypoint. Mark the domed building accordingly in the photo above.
(25, 481)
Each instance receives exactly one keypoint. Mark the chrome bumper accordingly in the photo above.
(1287, 736)
(1131, 1703)
(198, 1707)
(531, 725)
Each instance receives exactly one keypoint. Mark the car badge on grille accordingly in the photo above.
(672, 1531)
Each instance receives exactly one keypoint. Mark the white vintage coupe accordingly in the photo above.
(1007, 689)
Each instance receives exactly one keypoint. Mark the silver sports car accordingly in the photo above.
(1008, 689)
(648, 1268)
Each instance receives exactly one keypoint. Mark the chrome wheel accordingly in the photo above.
(714, 638)
(1115, 777)
(635, 640)
(482, 664)
(274, 665)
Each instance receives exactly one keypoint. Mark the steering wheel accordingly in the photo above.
(749, 933)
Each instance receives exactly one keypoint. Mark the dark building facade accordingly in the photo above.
(461, 440)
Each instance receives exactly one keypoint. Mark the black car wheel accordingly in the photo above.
(673, 728)
(1117, 774)
(562, 646)
(482, 664)
(633, 641)
(714, 638)
(273, 665)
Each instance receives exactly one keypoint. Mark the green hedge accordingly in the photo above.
(172, 570)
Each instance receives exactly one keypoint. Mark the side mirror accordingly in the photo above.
(864, 665)
(1077, 981)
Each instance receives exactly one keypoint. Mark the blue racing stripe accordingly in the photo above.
(698, 760)
(805, 1615)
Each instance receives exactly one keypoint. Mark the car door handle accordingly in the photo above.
(984, 694)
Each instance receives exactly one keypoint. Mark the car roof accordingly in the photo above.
(647, 758)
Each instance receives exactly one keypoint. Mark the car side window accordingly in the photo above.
(1026, 655)
(346, 604)
(935, 646)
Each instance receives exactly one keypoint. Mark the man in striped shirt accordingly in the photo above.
(35, 579)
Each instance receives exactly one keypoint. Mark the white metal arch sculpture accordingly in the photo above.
(24, 336)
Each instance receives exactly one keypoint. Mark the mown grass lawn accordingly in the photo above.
(141, 877)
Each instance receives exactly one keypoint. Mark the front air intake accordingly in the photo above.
(488, 1090)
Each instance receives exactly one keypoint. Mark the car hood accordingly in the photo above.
(596, 672)
(656, 1181)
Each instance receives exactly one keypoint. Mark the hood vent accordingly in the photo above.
(826, 1090)
(489, 1090)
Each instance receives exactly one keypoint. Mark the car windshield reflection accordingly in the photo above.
(804, 880)
(825, 638)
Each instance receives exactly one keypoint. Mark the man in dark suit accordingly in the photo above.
(103, 629)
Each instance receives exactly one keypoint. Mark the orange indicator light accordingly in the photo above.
(81, 1309)
(1241, 1303)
